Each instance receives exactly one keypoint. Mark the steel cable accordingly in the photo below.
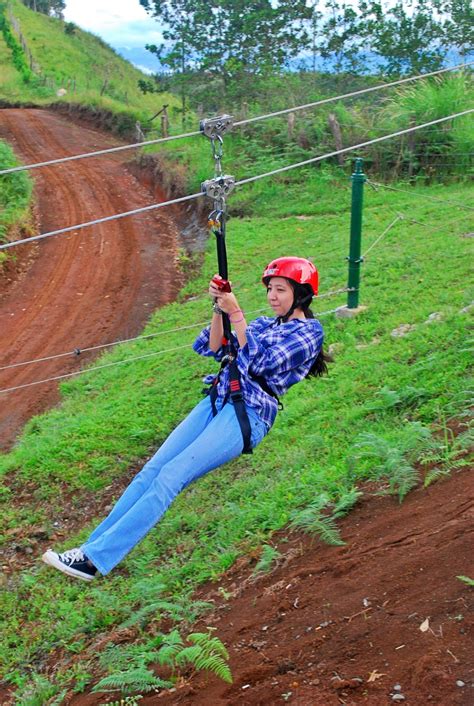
(312, 160)
(305, 162)
(97, 221)
(239, 123)
(79, 350)
(127, 360)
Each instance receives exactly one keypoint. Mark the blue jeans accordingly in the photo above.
(198, 445)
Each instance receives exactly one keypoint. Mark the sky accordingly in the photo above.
(123, 24)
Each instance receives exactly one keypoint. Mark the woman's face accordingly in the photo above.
(280, 295)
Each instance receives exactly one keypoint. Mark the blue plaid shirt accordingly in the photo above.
(281, 353)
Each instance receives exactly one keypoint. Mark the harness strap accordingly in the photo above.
(260, 380)
(235, 394)
(239, 406)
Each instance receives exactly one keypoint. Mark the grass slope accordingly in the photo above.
(392, 388)
(80, 62)
(15, 196)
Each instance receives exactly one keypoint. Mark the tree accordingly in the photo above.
(406, 40)
(55, 8)
(230, 38)
(342, 34)
(458, 26)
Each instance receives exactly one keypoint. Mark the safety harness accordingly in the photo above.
(218, 189)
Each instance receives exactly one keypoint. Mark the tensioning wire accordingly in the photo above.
(239, 123)
(387, 229)
(435, 228)
(400, 217)
(312, 160)
(421, 196)
(127, 360)
(78, 351)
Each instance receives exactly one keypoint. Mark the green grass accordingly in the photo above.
(83, 64)
(109, 420)
(15, 195)
(368, 420)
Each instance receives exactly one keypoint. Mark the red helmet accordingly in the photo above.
(295, 268)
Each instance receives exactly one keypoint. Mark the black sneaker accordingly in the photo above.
(73, 562)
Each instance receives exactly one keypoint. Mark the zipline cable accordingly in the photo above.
(312, 160)
(239, 123)
(350, 95)
(79, 350)
(122, 362)
(98, 153)
(97, 221)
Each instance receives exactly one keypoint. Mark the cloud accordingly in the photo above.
(118, 22)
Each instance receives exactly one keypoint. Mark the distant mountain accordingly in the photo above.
(140, 57)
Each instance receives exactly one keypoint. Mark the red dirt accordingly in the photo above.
(84, 288)
(341, 625)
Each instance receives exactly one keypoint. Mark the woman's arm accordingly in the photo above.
(227, 302)
(216, 333)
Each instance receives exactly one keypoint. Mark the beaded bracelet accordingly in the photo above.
(238, 320)
(216, 308)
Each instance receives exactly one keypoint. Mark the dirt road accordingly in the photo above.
(88, 287)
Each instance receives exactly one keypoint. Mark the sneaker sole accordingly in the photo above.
(51, 558)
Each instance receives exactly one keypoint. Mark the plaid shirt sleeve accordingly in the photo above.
(201, 345)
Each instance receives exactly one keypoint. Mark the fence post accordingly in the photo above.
(358, 179)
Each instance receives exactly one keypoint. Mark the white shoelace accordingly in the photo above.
(72, 555)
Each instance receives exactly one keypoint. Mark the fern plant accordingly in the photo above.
(393, 459)
(311, 520)
(118, 658)
(182, 609)
(138, 679)
(268, 560)
(398, 400)
(40, 692)
(346, 502)
(448, 453)
(205, 653)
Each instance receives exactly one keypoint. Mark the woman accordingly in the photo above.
(273, 353)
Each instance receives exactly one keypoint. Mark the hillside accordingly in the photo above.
(80, 63)
(398, 390)
(392, 418)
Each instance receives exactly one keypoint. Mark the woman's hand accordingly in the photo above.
(226, 301)
(228, 304)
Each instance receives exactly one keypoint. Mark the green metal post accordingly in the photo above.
(358, 179)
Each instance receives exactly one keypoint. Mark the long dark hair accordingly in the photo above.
(302, 300)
